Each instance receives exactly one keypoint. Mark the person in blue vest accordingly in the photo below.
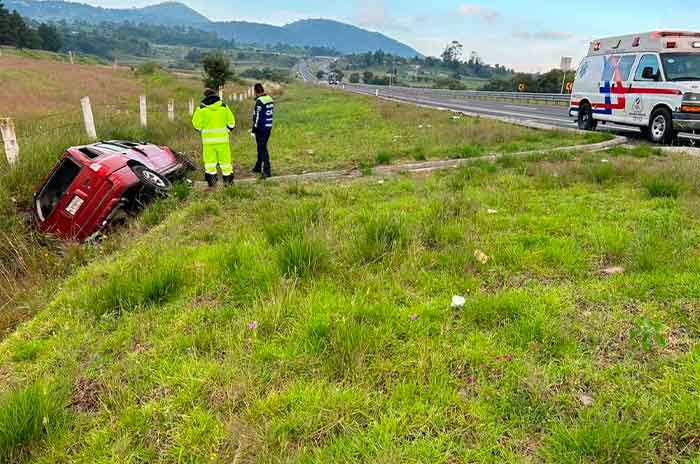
(262, 129)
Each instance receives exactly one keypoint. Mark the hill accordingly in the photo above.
(312, 33)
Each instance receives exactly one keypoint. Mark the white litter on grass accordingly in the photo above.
(458, 302)
(381, 181)
(586, 400)
(480, 256)
(492, 211)
(604, 161)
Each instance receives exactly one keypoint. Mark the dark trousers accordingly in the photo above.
(262, 137)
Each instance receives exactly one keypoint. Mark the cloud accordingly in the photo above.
(485, 14)
(543, 35)
(371, 14)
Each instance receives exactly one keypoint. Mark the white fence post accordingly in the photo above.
(9, 138)
(191, 106)
(171, 110)
(143, 111)
(376, 93)
(88, 118)
(71, 58)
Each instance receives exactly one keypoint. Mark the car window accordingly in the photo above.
(56, 187)
(648, 61)
(618, 68)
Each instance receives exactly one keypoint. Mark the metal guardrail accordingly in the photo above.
(442, 93)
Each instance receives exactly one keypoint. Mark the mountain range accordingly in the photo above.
(342, 37)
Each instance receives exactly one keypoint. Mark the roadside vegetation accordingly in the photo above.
(316, 130)
(314, 323)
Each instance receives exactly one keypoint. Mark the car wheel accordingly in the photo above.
(585, 118)
(661, 127)
(152, 181)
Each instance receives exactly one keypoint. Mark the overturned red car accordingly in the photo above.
(93, 185)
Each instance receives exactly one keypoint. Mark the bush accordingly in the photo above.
(302, 257)
(662, 187)
(25, 416)
(148, 69)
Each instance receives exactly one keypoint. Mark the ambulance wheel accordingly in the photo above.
(152, 181)
(585, 118)
(661, 127)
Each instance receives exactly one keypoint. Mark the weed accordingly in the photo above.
(648, 334)
(157, 211)
(593, 439)
(302, 257)
(139, 286)
(383, 157)
(382, 234)
(26, 416)
(662, 186)
(181, 191)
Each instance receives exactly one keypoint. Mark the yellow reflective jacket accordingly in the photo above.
(214, 120)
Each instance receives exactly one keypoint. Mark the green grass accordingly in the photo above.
(314, 324)
(25, 417)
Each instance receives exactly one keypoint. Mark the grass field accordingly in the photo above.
(316, 130)
(313, 323)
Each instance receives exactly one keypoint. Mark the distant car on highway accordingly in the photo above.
(92, 186)
(651, 81)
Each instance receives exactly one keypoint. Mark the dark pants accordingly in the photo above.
(263, 165)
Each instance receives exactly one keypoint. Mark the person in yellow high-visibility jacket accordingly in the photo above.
(214, 120)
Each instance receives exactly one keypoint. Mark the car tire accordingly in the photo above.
(660, 128)
(585, 118)
(152, 181)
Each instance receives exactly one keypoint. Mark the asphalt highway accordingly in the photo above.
(540, 113)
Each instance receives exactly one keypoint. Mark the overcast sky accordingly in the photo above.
(527, 35)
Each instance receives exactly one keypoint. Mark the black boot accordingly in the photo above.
(211, 179)
(228, 180)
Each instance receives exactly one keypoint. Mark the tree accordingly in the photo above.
(355, 78)
(7, 35)
(51, 40)
(217, 70)
(320, 75)
(453, 53)
(368, 77)
(27, 37)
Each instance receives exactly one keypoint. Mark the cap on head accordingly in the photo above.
(259, 89)
(209, 93)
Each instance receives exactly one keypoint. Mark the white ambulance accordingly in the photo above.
(650, 80)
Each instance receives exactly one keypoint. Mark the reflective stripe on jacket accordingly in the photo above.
(214, 120)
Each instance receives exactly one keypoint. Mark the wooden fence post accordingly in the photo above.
(9, 138)
(191, 106)
(88, 118)
(143, 111)
(171, 110)
(221, 92)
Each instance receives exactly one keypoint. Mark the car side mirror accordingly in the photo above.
(649, 74)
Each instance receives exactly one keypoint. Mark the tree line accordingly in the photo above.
(16, 32)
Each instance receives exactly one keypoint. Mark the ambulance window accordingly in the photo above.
(648, 69)
(583, 69)
(618, 68)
